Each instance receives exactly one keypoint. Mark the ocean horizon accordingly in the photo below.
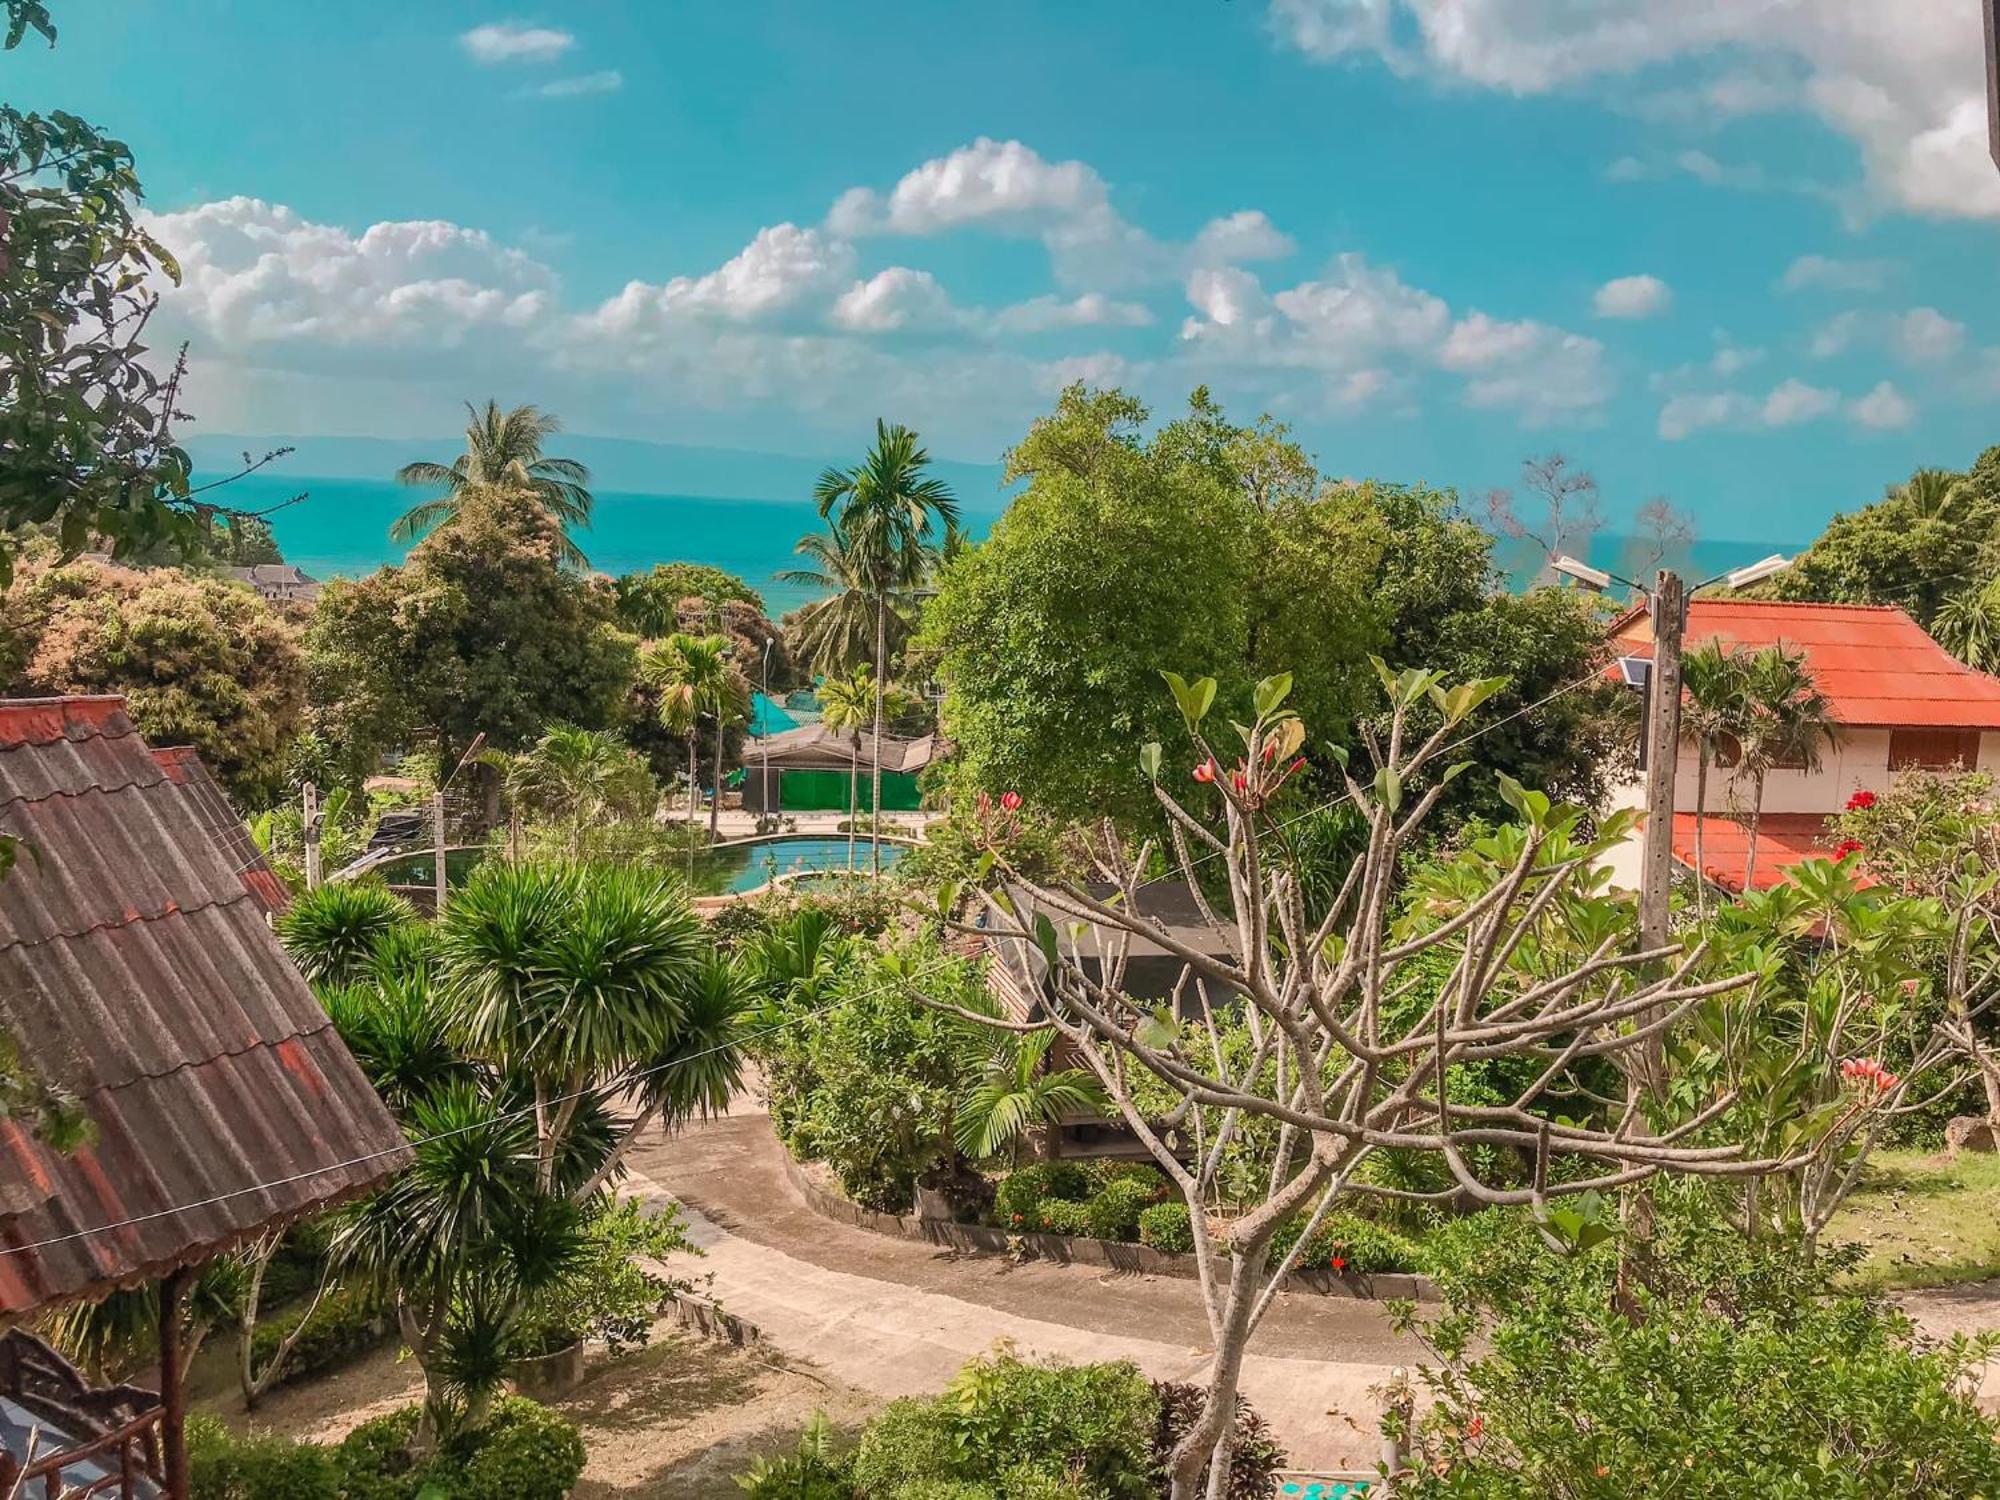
(341, 530)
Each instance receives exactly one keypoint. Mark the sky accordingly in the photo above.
(1738, 253)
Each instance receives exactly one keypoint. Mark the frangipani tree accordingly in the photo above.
(1355, 1044)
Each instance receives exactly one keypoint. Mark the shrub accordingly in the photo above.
(811, 1471)
(222, 1466)
(1165, 1226)
(374, 1460)
(347, 1322)
(1060, 1216)
(1255, 1457)
(1363, 1245)
(1025, 1189)
(523, 1452)
(1114, 1213)
(1050, 1432)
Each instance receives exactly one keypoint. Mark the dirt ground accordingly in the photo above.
(674, 1421)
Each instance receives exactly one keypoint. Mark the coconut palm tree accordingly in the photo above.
(1968, 626)
(893, 519)
(1787, 723)
(695, 678)
(835, 633)
(1934, 494)
(1717, 707)
(845, 705)
(503, 451)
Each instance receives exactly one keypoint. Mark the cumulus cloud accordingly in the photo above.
(1883, 409)
(1827, 273)
(512, 41)
(1632, 297)
(1924, 335)
(897, 300)
(783, 267)
(1364, 332)
(1835, 336)
(1091, 310)
(1787, 404)
(1903, 82)
(608, 81)
(1243, 236)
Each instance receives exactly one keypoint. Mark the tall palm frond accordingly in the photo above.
(1968, 626)
(503, 451)
(1015, 1092)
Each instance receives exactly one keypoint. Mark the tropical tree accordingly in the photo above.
(1968, 626)
(845, 705)
(695, 677)
(1715, 713)
(1015, 1090)
(893, 517)
(1787, 722)
(834, 634)
(576, 778)
(503, 452)
(334, 933)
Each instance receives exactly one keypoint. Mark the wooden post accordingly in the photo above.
(437, 852)
(309, 795)
(1669, 609)
(173, 1399)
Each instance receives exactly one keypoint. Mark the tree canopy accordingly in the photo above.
(1209, 548)
(649, 602)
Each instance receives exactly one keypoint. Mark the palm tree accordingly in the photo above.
(332, 933)
(576, 777)
(1717, 708)
(695, 677)
(1968, 626)
(893, 519)
(1934, 494)
(1788, 721)
(503, 451)
(845, 704)
(833, 635)
(1015, 1091)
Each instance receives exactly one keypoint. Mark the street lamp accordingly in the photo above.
(764, 727)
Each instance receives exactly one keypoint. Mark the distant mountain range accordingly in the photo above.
(625, 465)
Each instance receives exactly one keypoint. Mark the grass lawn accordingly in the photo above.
(1925, 1221)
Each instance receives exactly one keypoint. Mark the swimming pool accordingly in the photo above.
(735, 868)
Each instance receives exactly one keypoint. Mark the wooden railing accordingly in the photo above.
(118, 1426)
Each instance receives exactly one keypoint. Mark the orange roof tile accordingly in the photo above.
(1874, 663)
(1783, 840)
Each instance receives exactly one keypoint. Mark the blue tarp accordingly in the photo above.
(767, 717)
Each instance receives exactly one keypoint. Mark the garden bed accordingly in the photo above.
(823, 1198)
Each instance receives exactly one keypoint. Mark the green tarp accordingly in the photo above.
(826, 791)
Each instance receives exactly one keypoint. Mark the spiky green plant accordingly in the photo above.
(332, 933)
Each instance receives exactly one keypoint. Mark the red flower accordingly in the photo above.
(1339, 1263)
(1011, 801)
(1473, 1428)
(1205, 772)
(1270, 751)
(1861, 801)
(1845, 848)
(1239, 781)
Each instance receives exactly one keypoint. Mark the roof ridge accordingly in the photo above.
(257, 1044)
(66, 791)
(22, 945)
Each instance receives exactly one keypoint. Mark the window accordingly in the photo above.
(1933, 749)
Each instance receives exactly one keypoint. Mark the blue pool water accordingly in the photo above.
(745, 867)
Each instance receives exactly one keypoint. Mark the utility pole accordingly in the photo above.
(310, 810)
(437, 853)
(1663, 736)
(1993, 80)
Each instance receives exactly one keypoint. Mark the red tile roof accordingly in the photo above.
(1874, 663)
(214, 811)
(1783, 840)
(138, 971)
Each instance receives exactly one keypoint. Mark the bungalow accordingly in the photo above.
(808, 769)
(139, 976)
(1900, 702)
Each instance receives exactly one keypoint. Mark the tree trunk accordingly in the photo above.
(1205, 1443)
(694, 733)
(1700, 822)
(1756, 816)
(881, 684)
(853, 794)
(715, 802)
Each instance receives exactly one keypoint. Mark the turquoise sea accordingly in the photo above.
(341, 530)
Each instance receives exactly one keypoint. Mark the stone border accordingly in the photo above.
(1065, 1249)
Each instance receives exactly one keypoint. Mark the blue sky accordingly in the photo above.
(1736, 252)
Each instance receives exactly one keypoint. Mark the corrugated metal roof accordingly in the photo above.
(138, 971)
(815, 744)
(1873, 662)
(1783, 840)
(224, 825)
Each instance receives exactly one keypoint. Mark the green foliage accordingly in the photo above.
(1166, 1226)
(1363, 1246)
(1002, 1418)
(1023, 1190)
(1255, 1457)
(479, 630)
(201, 662)
(345, 1324)
(524, 1452)
(503, 462)
(1113, 1213)
(1060, 1216)
(606, 1294)
(649, 602)
(265, 1467)
(333, 933)
(811, 1471)
(1743, 1372)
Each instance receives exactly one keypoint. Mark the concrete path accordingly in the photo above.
(898, 1318)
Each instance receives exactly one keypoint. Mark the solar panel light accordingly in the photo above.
(1637, 671)
(1591, 578)
(1757, 572)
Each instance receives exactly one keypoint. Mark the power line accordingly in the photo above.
(624, 1083)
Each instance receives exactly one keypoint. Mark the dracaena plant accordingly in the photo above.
(1363, 1008)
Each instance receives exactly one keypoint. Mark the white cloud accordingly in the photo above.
(1787, 404)
(1902, 81)
(512, 41)
(1238, 237)
(897, 300)
(1793, 402)
(1091, 310)
(1882, 409)
(1924, 335)
(1826, 273)
(1632, 297)
(1731, 359)
(783, 267)
(1835, 336)
(608, 81)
